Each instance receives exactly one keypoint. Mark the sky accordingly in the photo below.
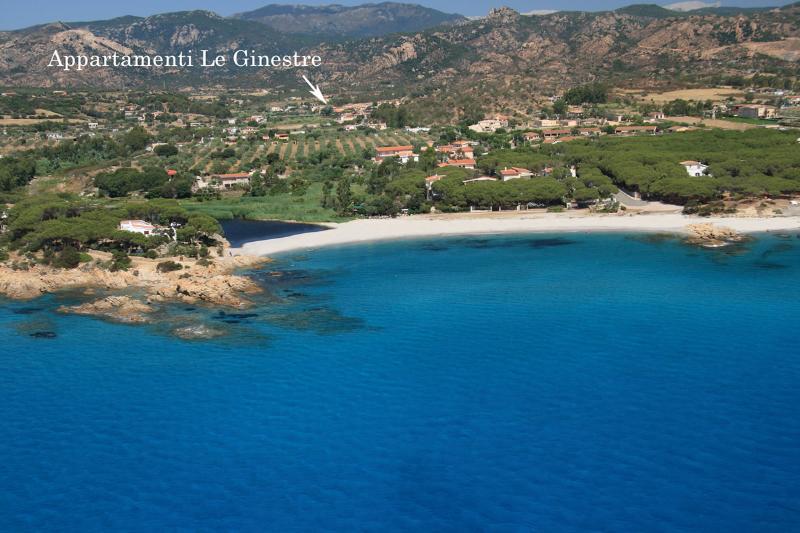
(22, 13)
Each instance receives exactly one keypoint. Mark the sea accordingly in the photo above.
(565, 382)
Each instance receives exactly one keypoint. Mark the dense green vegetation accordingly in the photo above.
(84, 151)
(152, 181)
(58, 224)
(593, 93)
(751, 163)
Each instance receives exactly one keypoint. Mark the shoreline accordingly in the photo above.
(422, 226)
(214, 283)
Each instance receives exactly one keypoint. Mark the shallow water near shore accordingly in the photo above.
(239, 232)
(542, 382)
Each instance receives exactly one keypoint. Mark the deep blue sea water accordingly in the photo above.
(526, 383)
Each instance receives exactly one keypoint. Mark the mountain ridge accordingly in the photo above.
(504, 53)
(335, 20)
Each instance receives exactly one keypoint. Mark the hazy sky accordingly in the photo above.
(23, 13)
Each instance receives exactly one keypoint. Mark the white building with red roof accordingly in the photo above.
(514, 173)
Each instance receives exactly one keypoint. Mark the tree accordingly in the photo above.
(344, 196)
(166, 150)
(136, 139)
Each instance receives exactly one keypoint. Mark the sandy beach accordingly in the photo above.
(418, 226)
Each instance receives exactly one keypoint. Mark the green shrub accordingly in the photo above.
(68, 257)
(151, 254)
(168, 266)
(120, 261)
(85, 258)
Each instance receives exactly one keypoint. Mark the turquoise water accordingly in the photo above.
(531, 383)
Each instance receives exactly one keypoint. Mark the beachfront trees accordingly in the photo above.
(56, 222)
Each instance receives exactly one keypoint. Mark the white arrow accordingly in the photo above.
(316, 91)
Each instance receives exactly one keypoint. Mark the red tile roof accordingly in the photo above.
(386, 149)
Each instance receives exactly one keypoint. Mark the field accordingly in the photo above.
(200, 158)
(345, 143)
(304, 208)
(723, 124)
(30, 121)
(714, 93)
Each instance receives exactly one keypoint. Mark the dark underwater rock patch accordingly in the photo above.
(26, 310)
(43, 334)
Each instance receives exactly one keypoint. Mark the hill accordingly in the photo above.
(366, 20)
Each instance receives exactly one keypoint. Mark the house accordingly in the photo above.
(282, 136)
(755, 111)
(460, 163)
(634, 130)
(171, 172)
(695, 168)
(546, 123)
(477, 180)
(589, 132)
(533, 136)
(404, 153)
(55, 135)
(92, 125)
(222, 181)
(556, 133)
(429, 181)
(515, 173)
(658, 115)
(137, 226)
(488, 126)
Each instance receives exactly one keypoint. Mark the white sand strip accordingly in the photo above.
(366, 230)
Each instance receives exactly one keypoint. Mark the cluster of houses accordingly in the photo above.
(755, 111)
(490, 125)
(459, 154)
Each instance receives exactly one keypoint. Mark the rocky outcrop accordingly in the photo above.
(118, 308)
(215, 283)
(38, 280)
(711, 236)
(198, 331)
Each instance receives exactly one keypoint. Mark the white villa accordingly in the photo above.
(137, 226)
(695, 168)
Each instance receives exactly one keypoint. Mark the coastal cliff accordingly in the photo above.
(212, 282)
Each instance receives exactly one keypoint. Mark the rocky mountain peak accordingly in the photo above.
(503, 14)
